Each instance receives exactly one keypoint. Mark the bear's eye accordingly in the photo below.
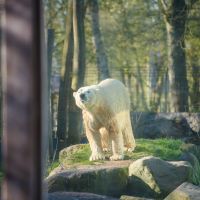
(88, 91)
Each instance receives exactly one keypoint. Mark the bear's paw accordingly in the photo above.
(97, 156)
(106, 149)
(130, 149)
(117, 157)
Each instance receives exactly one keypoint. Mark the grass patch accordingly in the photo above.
(166, 149)
(52, 166)
(81, 156)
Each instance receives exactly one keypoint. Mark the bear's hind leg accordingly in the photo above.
(129, 140)
(105, 140)
(117, 146)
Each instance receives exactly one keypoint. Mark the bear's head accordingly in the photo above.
(86, 97)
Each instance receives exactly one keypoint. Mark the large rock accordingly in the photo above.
(154, 177)
(77, 196)
(186, 191)
(176, 125)
(111, 181)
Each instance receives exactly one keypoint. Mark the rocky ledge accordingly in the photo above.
(149, 177)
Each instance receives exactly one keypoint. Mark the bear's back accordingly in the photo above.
(115, 93)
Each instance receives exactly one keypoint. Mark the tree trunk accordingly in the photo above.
(50, 44)
(130, 89)
(79, 44)
(175, 19)
(122, 75)
(141, 95)
(75, 122)
(195, 94)
(102, 61)
(65, 83)
(156, 81)
(165, 91)
(153, 80)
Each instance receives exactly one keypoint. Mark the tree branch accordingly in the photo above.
(163, 6)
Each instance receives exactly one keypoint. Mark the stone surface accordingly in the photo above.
(77, 196)
(154, 177)
(186, 191)
(96, 165)
(109, 180)
(125, 197)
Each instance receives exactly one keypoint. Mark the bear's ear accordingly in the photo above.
(74, 94)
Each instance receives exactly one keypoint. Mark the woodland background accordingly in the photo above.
(152, 46)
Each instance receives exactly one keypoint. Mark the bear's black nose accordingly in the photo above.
(82, 96)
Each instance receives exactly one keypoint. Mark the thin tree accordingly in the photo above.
(66, 79)
(195, 93)
(175, 15)
(79, 44)
(102, 60)
(75, 122)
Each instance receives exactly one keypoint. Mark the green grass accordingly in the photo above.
(52, 166)
(166, 149)
(80, 157)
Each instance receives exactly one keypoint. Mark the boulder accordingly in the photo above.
(156, 178)
(106, 180)
(185, 191)
(175, 125)
(77, 196)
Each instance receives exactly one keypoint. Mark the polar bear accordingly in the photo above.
(106, 115)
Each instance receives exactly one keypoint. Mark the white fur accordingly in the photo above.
(106, 116)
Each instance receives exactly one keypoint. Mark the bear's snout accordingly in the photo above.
(82, 96)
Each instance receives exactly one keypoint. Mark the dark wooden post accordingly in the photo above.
(22, 102)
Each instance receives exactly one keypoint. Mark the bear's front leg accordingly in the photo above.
(117, 146)
(95, 145)
(94, 138)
